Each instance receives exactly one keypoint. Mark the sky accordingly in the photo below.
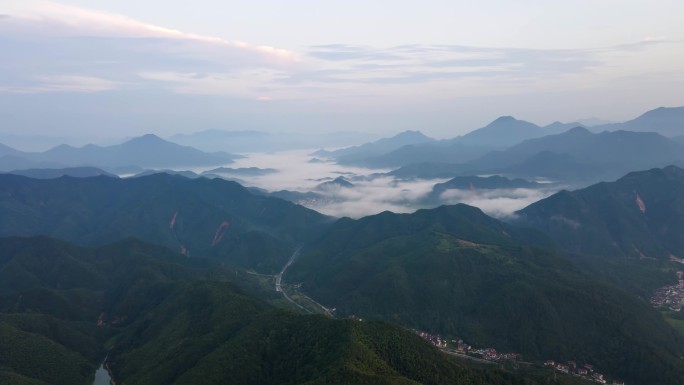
(99, 70)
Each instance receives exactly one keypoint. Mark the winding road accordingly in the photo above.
(279, 279)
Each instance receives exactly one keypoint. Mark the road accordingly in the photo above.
(329, 312)
(278, 287)
(461, 355)
(279, 279)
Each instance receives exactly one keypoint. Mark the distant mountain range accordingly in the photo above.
(51, 173)
(446, 151)
(8, 151)
(413, 147)
(609, 154)
(432, 170)
(667, 121)
(245, 171)
(484, 183)
(491, 149)
(507, 131)
(356, 154)
(576, 157)
(261, 141)
(183, 173)
(145, 151)
(591, 122)
(14, 163)
(559, 167)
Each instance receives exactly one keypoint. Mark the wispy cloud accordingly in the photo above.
(62, 48)
(249, 83)
(43, 17)
(421, 63)
(345, 52)
(63, 83)
(50, 42)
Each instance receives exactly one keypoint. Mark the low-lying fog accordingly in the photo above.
(371, 193)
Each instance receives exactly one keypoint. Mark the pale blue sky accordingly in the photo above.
(106, 69)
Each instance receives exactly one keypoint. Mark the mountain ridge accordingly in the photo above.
(457, 272)
(148, 150)
(637, 216)
(667, 121)
(210, 217)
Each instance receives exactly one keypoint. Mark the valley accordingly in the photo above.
(456, 348)
(277, 268)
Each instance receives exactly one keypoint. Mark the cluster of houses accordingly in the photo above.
(587, 370)
(434, 339)
(671, 296)
(492, 355)
(675, 259)
(487, 353)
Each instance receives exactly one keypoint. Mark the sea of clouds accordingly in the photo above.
(372, 192)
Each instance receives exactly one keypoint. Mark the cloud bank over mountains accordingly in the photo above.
(372, 193)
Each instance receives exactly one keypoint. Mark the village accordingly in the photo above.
(671, 296)
(489, 354)
(586, 371)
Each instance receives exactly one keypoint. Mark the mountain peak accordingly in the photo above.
(147, 141)
(504, 131)
(410, 134)
(147, 138)
(662, 109)
(509, 122)
(664, 112)
(667, 121)
(670, 171)
(504, 119)
(340, 181)
(62, 147)
(404, 138)
(579, 130)
(673, 168)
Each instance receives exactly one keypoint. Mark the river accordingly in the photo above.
(102, 376)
